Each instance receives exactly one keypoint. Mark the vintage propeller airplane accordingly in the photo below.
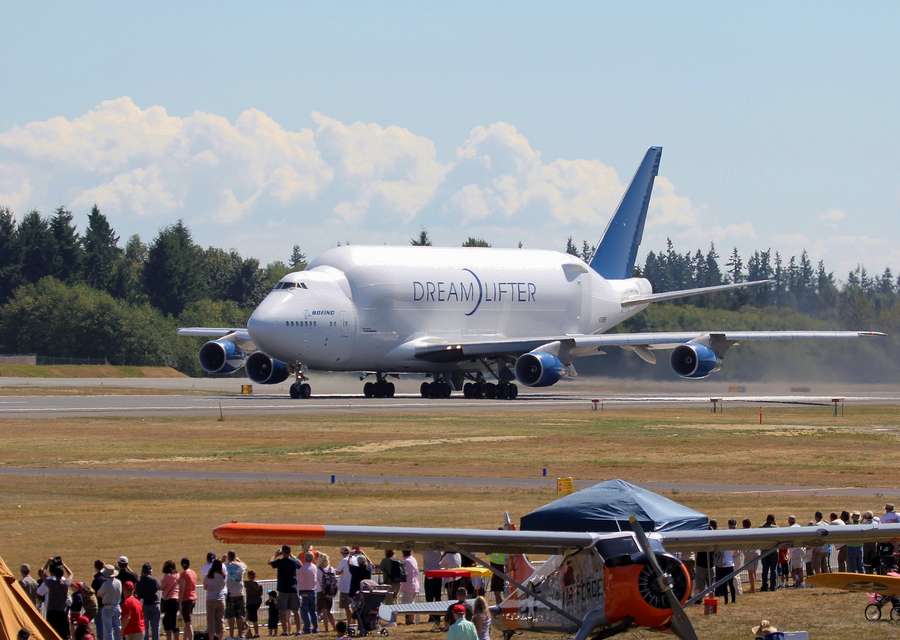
(593, 584)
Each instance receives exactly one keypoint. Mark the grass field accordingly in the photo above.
(85, 371)
(85, 518)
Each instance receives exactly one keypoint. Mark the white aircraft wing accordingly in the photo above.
(239, 335)
(730, 539)
(450, 350)
(474, 540)
(547, 542)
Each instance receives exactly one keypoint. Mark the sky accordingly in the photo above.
(264, 125)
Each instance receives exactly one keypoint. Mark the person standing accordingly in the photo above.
(431, 561)
(890, 514)
(409, 588)
(307, 581)
(286, 565)
(751, 556)
(29, 585)
(725, 568)
(326, 590)
(216, 592)
(187, 596)
(169, 587)
(461, 629)
(254, 592)
(235, 604)
(125, 573)
(132, 614)
(451, 561)
(390, 575)
(343, 574)
(481, 618)
(55, 591)
(96, 583)
(110, 595)
(147, 592)
(360, 569)
(769, 561)
(795, 557)
(498, 563)
(820, 553)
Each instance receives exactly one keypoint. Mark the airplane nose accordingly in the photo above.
(262, 320)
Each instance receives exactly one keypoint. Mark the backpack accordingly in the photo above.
(329, 582)
(398, 571)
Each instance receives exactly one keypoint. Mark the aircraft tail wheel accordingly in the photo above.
(295, 391)
(305, 391)
(425, 389)
(389, 390)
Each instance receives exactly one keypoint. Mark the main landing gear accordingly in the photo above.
(440, 388)
(501, 391)
(381, 388)
(300, 388)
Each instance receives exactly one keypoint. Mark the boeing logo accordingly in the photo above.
(473, 291)
(322, 312)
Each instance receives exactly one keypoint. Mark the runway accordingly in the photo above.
(212, 404)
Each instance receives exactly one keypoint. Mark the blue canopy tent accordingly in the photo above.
(606, 507)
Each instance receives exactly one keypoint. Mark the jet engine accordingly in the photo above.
(694, 360)
(632, 589)
(221, 356)
(539, 369)
(264, 369)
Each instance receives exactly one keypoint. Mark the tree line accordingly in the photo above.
(88, 295)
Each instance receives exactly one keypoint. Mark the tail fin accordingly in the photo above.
(614, 256)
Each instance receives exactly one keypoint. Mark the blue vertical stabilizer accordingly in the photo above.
(615, 255)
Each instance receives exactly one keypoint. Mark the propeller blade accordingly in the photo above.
(681, 624)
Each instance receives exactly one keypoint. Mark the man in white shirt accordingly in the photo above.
(235, 604)
(343, 574)
(796, 557)
(451, 561)
(110, 594)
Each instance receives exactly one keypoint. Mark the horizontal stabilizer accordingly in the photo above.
(686, 293)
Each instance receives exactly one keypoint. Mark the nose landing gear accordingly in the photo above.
(300, 388)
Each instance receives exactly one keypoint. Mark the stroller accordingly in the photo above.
(365, 604)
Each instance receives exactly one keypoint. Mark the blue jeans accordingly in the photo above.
(98, 622)
(855, 559)
(769, 565)
(308, 611)
(112, 622)
(151, 621)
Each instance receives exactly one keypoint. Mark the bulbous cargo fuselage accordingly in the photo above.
(367, 308)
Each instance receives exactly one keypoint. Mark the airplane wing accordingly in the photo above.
(239, 335)
(570, 346)
(548, 542)
(732, 539)
(474, 540)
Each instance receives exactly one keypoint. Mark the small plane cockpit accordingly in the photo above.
(290, 285)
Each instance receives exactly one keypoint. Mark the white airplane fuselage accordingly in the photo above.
(367, 308)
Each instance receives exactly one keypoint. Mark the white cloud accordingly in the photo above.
(833, 216)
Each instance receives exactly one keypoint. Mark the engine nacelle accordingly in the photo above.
(221, 356)
(695, 360)
(539, 369)
(632, 589)
(264, 369)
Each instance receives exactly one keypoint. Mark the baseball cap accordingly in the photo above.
(82, 621)
(123, 559)
(459, 608)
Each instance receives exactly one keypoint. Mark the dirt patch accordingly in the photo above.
(85, 371)
(378, 447)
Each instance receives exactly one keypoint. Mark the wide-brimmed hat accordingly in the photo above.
(764, 626)
(109, 571)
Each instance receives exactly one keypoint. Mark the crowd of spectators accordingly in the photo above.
(120, 604)
(786, 567)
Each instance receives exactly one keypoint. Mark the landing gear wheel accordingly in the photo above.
(490, 390)
(502, 391)
(895, 614)
(388, 389)
(305, 391)
(425, 390)
(295, 390)
(368, 389)
(513, 392)
(873, 613)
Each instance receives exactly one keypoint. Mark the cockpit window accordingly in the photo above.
(290, 285)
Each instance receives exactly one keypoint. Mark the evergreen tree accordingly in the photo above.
(587, 251)
(422, 241)
(826, 289)
(247, 287)
(713, 274)
(10, 268)
(35, 246)
(219, 270)
(477, 242)
(129, 274)
(298, 259)
(171, 277)
(571, 249)
(101, 252)
(67, 254)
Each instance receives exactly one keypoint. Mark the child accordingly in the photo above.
(254, 592)
(341, 628)
(272, 604)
